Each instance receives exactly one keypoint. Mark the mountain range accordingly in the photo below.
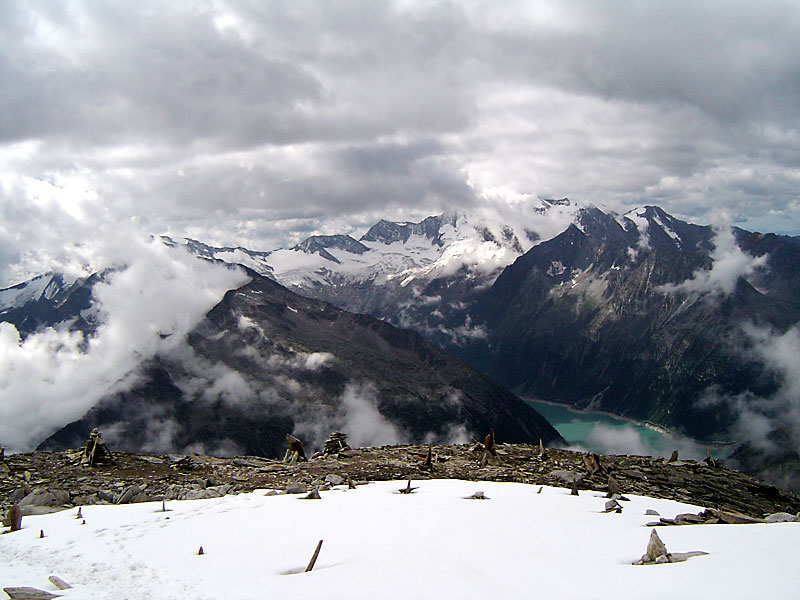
(639, 314)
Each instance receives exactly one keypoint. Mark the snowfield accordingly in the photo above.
(378, 543)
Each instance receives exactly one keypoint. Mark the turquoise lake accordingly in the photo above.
(604, 434)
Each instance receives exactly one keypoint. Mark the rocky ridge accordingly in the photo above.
(46, 481)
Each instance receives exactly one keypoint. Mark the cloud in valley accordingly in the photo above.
(757, 419)
(729, 264)
(54, 376)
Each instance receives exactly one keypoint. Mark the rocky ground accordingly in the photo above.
(42, 481)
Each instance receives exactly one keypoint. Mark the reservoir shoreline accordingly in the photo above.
(655, 437)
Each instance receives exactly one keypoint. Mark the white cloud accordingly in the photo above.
(55, 376)
(729, 264)
(363, 423)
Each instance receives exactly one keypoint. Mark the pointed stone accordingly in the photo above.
(613, 487)
(655, 548)
(14, 518)
(477, 496)
(59, 583)
(200, 552)
(429, 458)
(591, 463)
(28, 593)
(312, 495)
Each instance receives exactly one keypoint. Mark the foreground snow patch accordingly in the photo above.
(380, 544)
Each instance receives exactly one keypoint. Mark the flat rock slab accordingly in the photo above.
(28, 593)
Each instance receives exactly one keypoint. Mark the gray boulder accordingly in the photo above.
(782, 517)
(46, 497)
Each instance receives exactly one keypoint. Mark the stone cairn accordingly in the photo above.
(95, 450)
(336, 442)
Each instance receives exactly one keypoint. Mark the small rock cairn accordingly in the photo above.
(336, 442)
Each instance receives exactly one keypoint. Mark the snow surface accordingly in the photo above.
(381, 544)
(18, 295)
(418, 257)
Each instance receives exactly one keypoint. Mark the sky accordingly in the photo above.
(260, 123)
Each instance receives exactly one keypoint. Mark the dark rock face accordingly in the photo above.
(265, 362)
(582, 319)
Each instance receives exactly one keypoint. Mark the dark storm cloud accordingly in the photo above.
(256, 123)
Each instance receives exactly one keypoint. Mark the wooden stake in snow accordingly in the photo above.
(80, 514)
(313, 560)
(41, 533)
(408, 489)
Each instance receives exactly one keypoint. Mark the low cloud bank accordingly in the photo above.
(54, 376)
(626, 439)
(759, 419)
(730, 263)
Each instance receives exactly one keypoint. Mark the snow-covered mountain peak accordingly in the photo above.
(41, 287)
(320, 244)
(258, 261)
(656, 227)
(431, 228)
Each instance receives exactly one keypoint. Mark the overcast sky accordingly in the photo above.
(259, 123)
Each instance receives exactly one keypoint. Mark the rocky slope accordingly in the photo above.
(265, 362)
(58, 479)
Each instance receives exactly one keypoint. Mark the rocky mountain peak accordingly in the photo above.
(389, 232)
(319, 244)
